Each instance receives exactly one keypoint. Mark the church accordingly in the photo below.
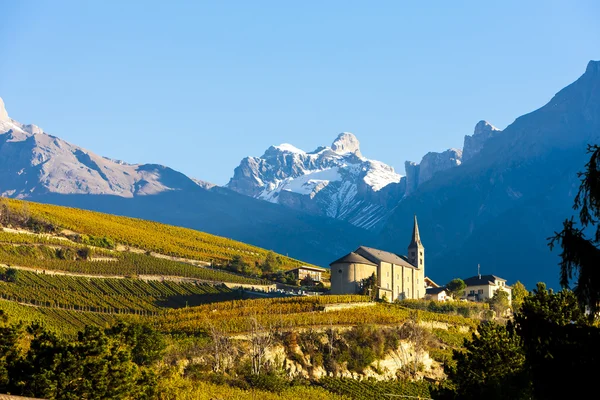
(397, 277)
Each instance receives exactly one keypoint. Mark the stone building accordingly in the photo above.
(397, 276)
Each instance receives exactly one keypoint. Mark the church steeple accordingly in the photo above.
(416, 238)
(416, 251)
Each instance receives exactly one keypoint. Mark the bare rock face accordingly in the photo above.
(482, 133)
(412, 176)
(433, 163)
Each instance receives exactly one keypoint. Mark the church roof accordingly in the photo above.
(482, 280)
(353, 258)
(385, 256)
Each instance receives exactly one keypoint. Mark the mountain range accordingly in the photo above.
(494, 202)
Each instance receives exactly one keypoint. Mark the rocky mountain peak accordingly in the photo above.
(3, 113)
(484, 127)
(593, 67)
(481, 134)
(345, 143)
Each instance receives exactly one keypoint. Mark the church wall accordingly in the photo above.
(348, 280)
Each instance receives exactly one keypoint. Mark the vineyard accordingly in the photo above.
(236, 316)
(48, 256)
(147, 235)
(120, 296)
(66, 322)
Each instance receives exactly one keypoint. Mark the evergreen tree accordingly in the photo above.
(580, 256)
(492, 366)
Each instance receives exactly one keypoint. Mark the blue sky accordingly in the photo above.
(199, 85)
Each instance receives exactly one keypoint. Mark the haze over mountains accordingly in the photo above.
(492, 203)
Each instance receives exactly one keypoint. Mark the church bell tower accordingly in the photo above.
(416, 251)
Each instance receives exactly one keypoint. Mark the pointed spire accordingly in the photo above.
(416, 237)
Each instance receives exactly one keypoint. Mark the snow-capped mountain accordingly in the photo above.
(335, 181)
(339, 182)
(33, 162)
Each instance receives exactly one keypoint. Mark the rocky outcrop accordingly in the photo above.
(482, 133)
(433, 163)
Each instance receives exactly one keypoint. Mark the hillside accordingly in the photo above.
(110, 231)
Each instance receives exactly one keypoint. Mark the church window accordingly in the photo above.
(421, 261)
(398, 289)
(387, 285)
(421, 254)
(388, 274)
(340, 271)
(397, 276)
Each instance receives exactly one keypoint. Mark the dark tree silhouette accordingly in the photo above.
(580, 256)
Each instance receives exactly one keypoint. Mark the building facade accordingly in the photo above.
(397, 277)
(483, 287)
(304, 271)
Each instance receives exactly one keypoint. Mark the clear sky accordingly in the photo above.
(198, 85)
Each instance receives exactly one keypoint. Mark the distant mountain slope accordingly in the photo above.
(34, 162)
(498, 208)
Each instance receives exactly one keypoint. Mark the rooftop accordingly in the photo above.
(353, 258)
(385, 256)
(482, 280)
(306, 267)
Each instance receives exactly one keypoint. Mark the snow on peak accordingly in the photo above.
(289, 148)
(484, 126)
(3, 113)
(345, 143)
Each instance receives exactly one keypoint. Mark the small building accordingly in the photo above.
(436, 294)
(398, 277)
(303, 271)
(429, 283)
(483, 287)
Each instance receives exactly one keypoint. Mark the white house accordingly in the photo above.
(436, 293)
(483, 287)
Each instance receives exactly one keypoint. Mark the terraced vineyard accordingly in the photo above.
(147, 235)
(65, 322)
(63, 258)
(235, 317)
(121, 296)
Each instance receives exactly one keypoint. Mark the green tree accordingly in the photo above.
(580, 256)
(368, 286)
(11, 274)
(499, 302)
(492, 365)
(519, 292)
(237, 264)
(456, 287)
(271, 263)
